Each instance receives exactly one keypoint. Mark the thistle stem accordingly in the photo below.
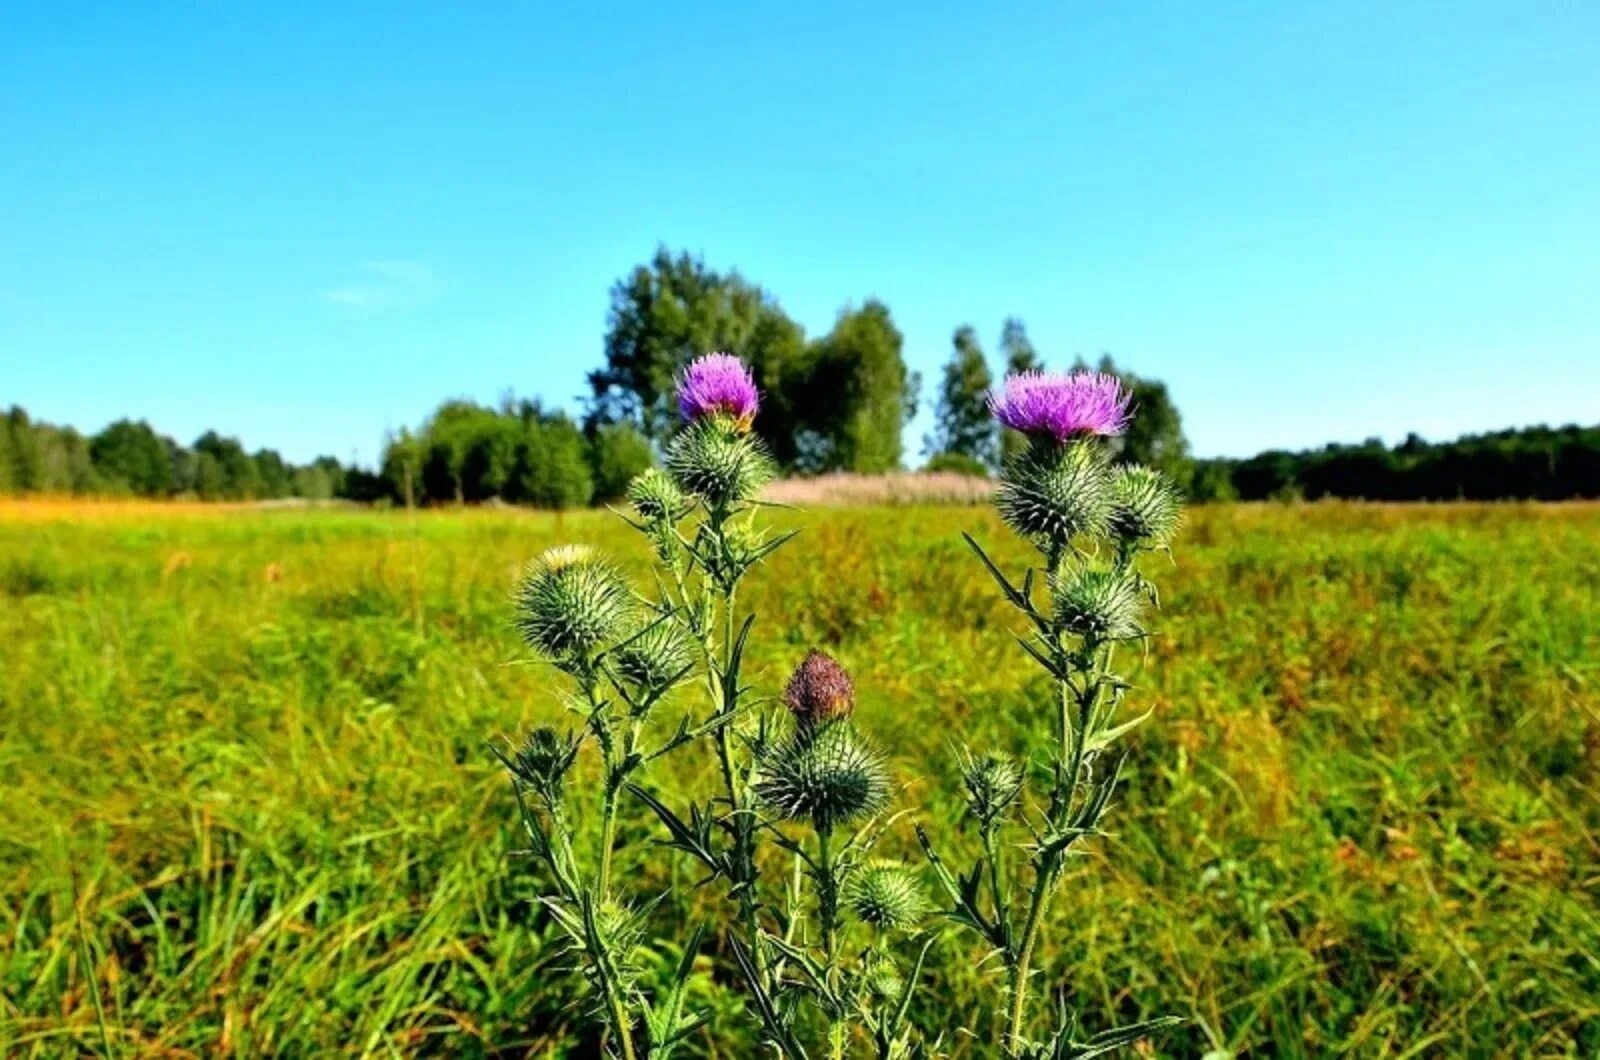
(608, 838)
(619, 1021)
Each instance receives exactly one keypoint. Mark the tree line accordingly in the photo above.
(838, 401)
(1529, 463)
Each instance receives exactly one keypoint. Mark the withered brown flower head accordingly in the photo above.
(820, 690)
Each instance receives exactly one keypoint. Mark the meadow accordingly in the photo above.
(249, 808)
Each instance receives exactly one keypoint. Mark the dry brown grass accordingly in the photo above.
(897, 488)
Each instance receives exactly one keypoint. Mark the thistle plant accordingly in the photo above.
(575, 610)
(822, 788)
(1084, 598)
(831, 940)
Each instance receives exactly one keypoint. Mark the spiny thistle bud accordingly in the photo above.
(820, 690)
(720, 465)
(543, 760)
(656, 497)
(655, 658)
(884, 980)
(1098, 605)
(1052, 493)
(1145, 507)
(570, 603)
(886, 895)
(993, 782)
(828, 775)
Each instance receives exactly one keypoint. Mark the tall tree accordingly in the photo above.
(672, 310)
(231, 474)
(962, 423)
(855, 395)
(1017, 349)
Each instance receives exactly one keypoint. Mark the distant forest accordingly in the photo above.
(833, 402)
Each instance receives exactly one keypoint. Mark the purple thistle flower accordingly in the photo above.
(1062, 405)
(718, 384)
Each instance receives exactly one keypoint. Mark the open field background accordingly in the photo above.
(248, 809)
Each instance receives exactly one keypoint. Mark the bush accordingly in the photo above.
(617, 453)
(957, 463)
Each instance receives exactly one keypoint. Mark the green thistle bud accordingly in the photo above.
(656, 497)
(828, 775)
(886, 895)
(884, 980)
(725, 467)
(1052, 493)
(543, 760)
(654, 659)
(1098, 605)
(1145, 508)
(570, 603)
(993, 782)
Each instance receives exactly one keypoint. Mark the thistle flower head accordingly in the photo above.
(828, 775)
(1051, 494)
(721, 466)
(655, 658)
(543, 759)
(1097, 605)
(993, 781)
(886, 895)
(1145, 508)
(820, 690)
(718, 385)
(1060, 405)
(656, 497)
(569, 603)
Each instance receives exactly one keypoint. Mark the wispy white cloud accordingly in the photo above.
(387, 285)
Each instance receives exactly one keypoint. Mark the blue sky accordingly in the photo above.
(307, 224)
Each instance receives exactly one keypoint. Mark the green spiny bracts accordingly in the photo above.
(992, 781)
(542, 761)
(722, 466)
(1146, 509)
(655, 658)
(657, 498)
(571, 603)
(1098, 605)
(828, 775)
(1052, 493)
(884, 980)
(886, 896)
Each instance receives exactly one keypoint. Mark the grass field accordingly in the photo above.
(248, 808)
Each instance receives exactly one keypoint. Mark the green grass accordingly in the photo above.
(248, 808)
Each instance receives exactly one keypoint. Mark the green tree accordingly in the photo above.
(489, 454)
(8, 470)
(617, 452)
(1017, 349)
(401, 467)
(26, 473)
(273, 476)
(133, 457)
(855, 393)
(234, 475)
(666, 313)
(552, 465)
(962, 423)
